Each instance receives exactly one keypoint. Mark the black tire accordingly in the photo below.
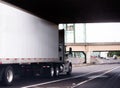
(70, 70)
(52, 72)
(57, 71)
(8, 76)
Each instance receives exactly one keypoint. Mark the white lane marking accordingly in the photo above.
(39, 84)
(95, 77)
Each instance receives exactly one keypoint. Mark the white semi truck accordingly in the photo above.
(29, 45)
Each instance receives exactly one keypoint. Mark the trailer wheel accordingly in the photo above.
(56, 71)
(69, 69)
(52, 72)
(8, 76)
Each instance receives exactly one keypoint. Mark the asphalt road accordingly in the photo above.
(105, 75)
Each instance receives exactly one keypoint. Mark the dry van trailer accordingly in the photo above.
(29, 44)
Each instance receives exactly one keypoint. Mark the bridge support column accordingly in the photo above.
(87, 55)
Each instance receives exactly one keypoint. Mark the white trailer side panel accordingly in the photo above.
(25, 36)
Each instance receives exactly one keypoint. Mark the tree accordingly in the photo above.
(111, 53)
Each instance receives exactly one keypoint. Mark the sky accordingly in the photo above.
(103, 32)
(97, 32)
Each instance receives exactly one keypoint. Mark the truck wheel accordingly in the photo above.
(56, 71)
(52, 72)
(69, 70)
(8, 76)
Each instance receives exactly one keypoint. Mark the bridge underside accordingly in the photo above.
(72, 11)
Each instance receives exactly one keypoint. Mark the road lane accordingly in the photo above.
(75, 78)
(109, 80)
(79, 74)
(95, 77)
(72, 81)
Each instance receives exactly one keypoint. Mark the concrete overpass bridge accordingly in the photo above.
(88, 48)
